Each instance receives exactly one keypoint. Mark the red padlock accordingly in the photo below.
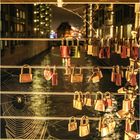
(108, 99)
(133, 80)
(65, 51)
(127, 125)
(118, 79)
(54, 77)
(113, 75)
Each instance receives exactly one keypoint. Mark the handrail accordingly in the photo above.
(53, 118)
(52, 93)
(57, 67)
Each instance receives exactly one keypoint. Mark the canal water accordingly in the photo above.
(55, 105)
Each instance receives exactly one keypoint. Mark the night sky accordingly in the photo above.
(59, 15)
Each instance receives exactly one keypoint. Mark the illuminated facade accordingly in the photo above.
(115, 21)
(42, 20)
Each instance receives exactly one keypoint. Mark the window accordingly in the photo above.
(20, 14)
(23, 15)
(17, 13)
(18, 28)
(0, 25)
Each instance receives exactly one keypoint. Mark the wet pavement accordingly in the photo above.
(55, 105)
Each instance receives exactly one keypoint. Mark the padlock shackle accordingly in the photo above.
(88, 94)
(99, 92)
(26, 66)
(72, 118)
(108, 93)
(73, 70)
(78, 95)
(67, 69)
(84, 118)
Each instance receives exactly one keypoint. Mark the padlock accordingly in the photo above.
(108, 99)
(78, 100)
(72, 125)
(113, 75)
(54, 77)
(88, 101)
(104, 128)
(47, 73)
(64, 51)
(121, 114)
(99, 103)
(133, 135)
(128, 125)
(25, 77)
(126, 104)
(84, 128)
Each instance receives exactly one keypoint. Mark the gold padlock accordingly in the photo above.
(88, 101)
(104, 128)
(133, 134)
(84, 128)
(72, 125)
(78, 100)
(99, 103)
(126, 104)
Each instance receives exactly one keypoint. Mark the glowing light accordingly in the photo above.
(59, 3)
(121, 34)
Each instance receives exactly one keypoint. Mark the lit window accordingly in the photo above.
(17, 27)
(17, 13)
(42, 32)
(23, 15)
(0, 25)
(20, 14)
(42, 23)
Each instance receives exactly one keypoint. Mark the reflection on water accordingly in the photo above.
(46, 105)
